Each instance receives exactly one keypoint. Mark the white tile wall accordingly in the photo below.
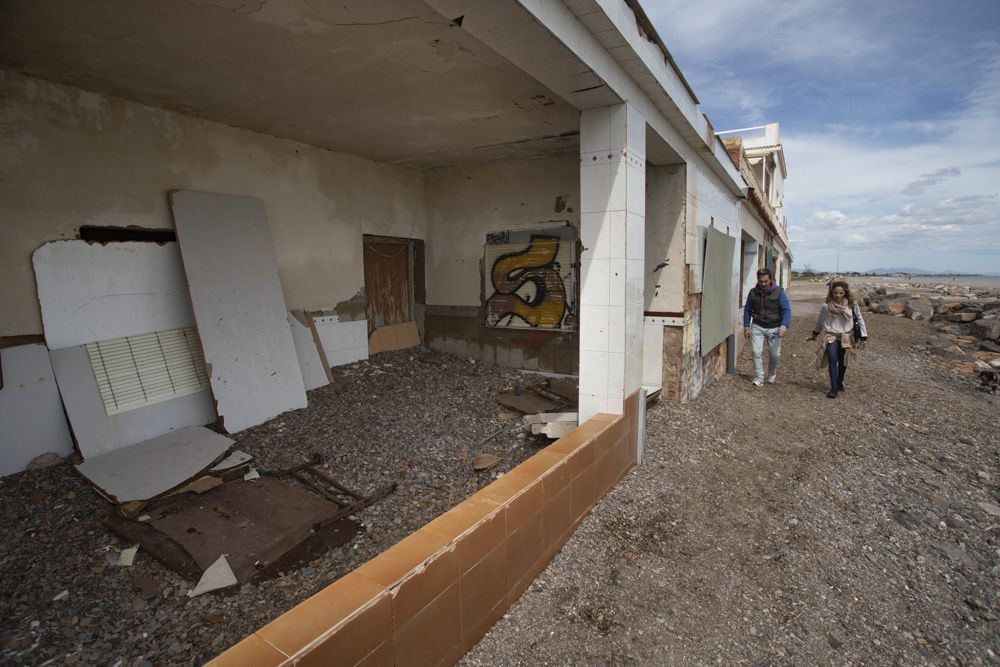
(343, 342)
(613, 205)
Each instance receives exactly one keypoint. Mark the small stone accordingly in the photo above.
(990, 508)
(46, 460)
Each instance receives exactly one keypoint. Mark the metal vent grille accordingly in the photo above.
(150, 368)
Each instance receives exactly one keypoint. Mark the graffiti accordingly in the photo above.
(530, 285)
(497, 238)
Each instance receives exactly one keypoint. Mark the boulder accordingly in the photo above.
(963, 316)
(989, 346)
(919, 309)
(948, 307)
(987, 328)
(891, 306)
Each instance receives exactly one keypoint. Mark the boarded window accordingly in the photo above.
(149, 368)
(530, 279)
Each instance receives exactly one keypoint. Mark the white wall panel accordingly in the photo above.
(238, 306)
(31, 415)
(90, 292)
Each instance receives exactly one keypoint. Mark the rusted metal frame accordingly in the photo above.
(318, 489)
(357, 506)
(335, 484)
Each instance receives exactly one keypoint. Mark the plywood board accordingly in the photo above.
(342, 342)
(716, 300)
(254, 523)
(98, 433)
(238, 306)
(313, 371)
(31, 415)
(151, 468)
(394, 337)
(90, 292)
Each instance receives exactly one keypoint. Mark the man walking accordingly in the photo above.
(767, 307)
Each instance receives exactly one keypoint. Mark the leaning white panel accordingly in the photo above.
(343, 342)
(96, 432)
(238, 305)
(31, 415)
(313, 373)
(90, 292)
(153, 467)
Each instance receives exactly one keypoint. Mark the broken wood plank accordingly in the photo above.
(527, 402)
(156, 544)
(393, 337)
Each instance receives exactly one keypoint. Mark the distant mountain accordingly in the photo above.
(910, 269)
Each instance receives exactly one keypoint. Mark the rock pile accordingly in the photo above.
(967, 320)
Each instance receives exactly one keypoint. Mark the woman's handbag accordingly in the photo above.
(856, 334)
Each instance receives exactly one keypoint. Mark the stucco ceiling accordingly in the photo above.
(391, 80)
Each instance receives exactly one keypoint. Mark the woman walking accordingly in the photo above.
(842, 329)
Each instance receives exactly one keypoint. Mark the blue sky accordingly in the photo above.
(889, 113)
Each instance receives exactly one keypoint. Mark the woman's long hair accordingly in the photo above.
(847, 292)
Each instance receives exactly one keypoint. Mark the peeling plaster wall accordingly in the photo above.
(665, 204)
(70, 157)
(464, 204)
(708, 203)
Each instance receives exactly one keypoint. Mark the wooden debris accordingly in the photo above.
(485, 461)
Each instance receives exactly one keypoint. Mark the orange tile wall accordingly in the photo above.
(431, 597)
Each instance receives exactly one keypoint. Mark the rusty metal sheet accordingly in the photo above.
(387, 282)
(253, 523)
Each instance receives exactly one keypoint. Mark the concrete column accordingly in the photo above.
(612, 228)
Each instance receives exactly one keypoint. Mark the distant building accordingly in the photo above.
(758, 154)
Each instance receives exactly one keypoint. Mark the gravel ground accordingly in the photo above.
(774, 526)
(766, 526)
(413, 417)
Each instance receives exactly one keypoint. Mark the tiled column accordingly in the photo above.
(612, 228)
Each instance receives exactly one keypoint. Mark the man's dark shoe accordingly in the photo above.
(832, 393)
(841, 388)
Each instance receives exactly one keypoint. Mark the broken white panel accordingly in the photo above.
(343, 342)
(90, 292)
(553, 430)
(652, 354)
(234, 460)
(547, 417)
(238, 306)
(218, 575)
(127, 557)
(31, 415)
(153, 467)
(97, 432)
(313, 373)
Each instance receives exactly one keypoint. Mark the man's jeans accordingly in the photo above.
(758, 336)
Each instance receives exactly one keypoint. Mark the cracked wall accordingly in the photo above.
(70, 158)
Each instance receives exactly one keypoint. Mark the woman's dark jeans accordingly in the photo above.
(835, 357)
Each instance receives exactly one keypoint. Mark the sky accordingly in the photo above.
(889, 114)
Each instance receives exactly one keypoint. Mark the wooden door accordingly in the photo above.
(387, 282)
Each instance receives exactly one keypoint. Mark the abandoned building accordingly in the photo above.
(207, 205)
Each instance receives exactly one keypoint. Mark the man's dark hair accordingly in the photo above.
(763, 272)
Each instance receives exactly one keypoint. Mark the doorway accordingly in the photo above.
(388, 281)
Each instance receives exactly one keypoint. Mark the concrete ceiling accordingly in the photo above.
(391, 80)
